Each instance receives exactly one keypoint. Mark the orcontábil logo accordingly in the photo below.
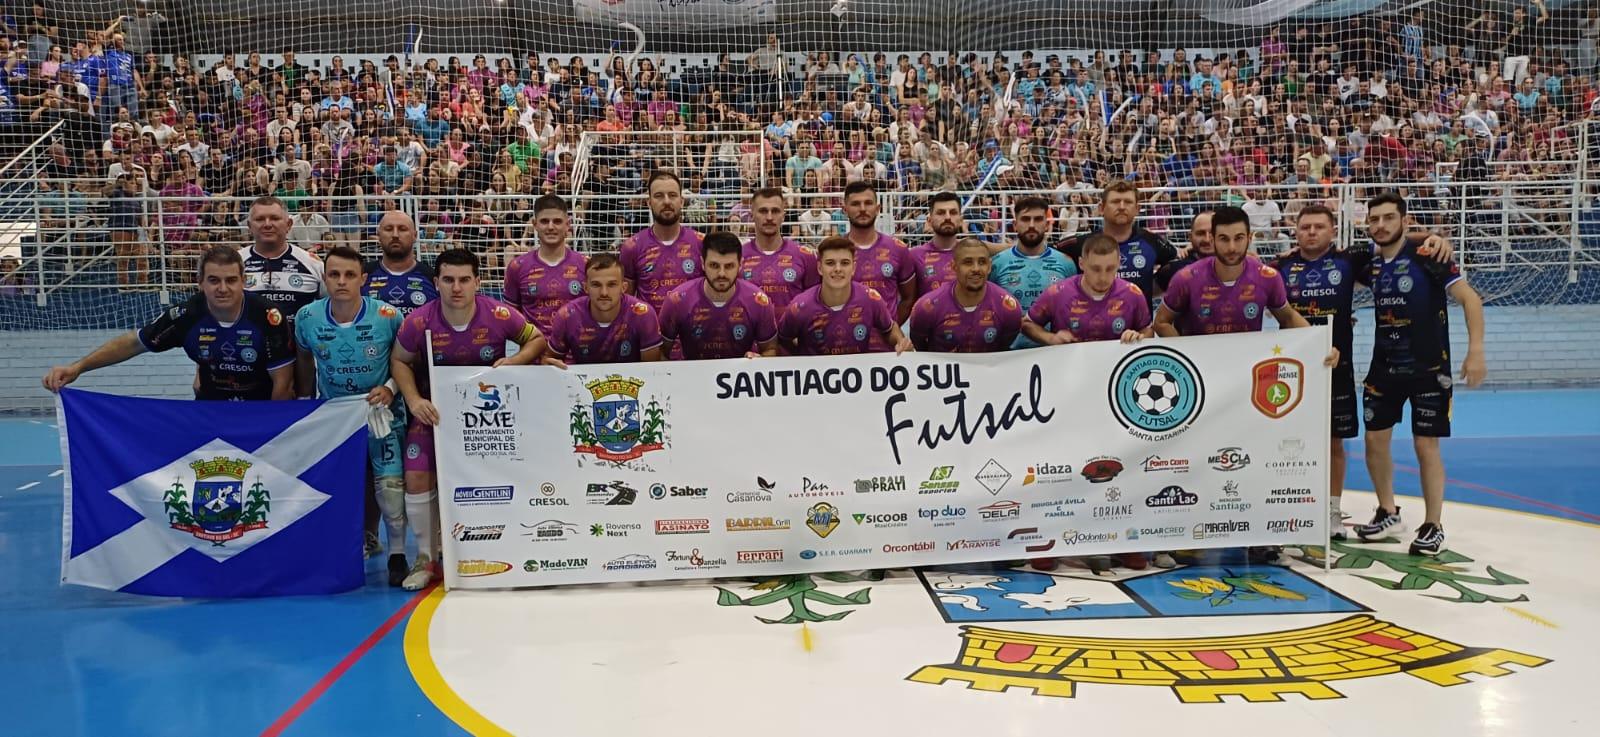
(615, 427)
(1156, 393)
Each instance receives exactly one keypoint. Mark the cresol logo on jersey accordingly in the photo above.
(489, 427)
(481, 496)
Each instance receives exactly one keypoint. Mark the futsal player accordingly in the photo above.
(1028, 268)
(967, 314)
(840, 316)
(935, 260)
(719, 315)
(657, 259)
(1199, 248)
(1321, 282)
(284, 274)
(468, 329)
(540, 281)
(606, 325)
(239, 342)
(345, 339)
(1091, 306)
(398, 277)
(1411, 363)
(882, 261)
(778, 266)
(1142, 252)
(1230, 292)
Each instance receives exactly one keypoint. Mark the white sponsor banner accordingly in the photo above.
(677, 13)
(790, 465)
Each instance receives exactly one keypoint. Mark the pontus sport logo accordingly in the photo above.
(1156, 393)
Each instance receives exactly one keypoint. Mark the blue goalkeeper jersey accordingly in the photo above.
(1026, 277)
(353, 358)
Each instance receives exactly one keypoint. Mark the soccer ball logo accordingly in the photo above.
(1156, 392)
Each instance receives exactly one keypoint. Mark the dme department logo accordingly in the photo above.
(489, 428)
(615, 428)
(1156, 393)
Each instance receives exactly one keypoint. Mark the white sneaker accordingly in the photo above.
(423, 572)
(1336, 524)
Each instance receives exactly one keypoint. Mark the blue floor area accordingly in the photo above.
(238, 666)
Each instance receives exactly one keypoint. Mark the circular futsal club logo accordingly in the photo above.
(1156, 393)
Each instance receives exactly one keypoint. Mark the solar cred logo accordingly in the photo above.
(1156, 393)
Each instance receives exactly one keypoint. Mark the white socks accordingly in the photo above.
(423, 514)
(392, 503)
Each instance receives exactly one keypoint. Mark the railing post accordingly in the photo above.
(165, 295)
(38, 245)
(1580, 176)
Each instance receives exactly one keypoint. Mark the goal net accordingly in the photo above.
(1473, 108)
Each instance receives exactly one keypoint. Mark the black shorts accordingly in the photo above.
(1430, 396)
(1345, 424)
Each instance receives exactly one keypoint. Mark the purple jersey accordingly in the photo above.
(782, 274)
(579, 338)
(656, 268)
(708, 330)
(940, 324)
(825, 331)
(1067, 305)
(480, 343)
(537, 289)
(884, 266)
(935, 267)
(1206, 306)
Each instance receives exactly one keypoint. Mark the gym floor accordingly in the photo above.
(1494, 636)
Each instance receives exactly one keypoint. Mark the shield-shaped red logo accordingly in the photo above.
(1276, 386)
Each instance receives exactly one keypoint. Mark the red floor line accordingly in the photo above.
(322, 685)
(1497, 492)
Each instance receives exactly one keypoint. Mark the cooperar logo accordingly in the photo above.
(468, 496)
(1156, 393)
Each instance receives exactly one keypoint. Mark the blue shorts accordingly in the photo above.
(384, 453)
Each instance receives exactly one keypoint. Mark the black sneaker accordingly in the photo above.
(397, 569)
(1430, 539)
(1383, 523)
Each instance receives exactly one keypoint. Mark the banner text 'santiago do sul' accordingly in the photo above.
(791, 465)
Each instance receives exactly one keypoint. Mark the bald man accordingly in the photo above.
(398, 278)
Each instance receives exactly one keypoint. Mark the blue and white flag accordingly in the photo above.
(212, 499)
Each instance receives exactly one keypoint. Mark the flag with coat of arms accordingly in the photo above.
(212, 499)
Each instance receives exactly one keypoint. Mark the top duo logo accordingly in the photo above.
(1156, 393)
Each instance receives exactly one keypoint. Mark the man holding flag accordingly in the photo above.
(467, 329)
(238, 340)
(348, 338)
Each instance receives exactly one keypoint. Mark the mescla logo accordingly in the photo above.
(941, 516)
(1289, 525)
(682, 526)
(1229, 459)
(1206, 530)
(917, 547)
(1171, 496)
(1000, 511)
(972, 544)
(1156, 463)
(892, 519)
(1074, 537)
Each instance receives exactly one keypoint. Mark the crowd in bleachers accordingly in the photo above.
(1409, 99)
